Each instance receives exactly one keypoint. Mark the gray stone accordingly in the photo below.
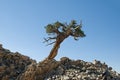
(66, 78)
(1, 47)
(14, 66)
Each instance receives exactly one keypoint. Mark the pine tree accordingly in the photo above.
(58, 32)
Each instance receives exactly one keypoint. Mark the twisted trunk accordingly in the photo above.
(54, 51)
(60, 38)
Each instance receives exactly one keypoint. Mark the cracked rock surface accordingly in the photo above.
(81, 70)
(14, 66)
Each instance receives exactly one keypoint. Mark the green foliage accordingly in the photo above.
(72, 24)
(78, 32)
(57, 24)
(71, 29)
(49, 28)
(61, 31)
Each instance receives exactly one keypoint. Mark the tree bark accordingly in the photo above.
(60, 38)
(54, 51)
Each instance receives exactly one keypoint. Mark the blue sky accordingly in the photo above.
(22, 29)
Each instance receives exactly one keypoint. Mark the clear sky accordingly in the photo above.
(22, 29)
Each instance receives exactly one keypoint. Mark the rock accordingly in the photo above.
(37, 71)
(66, 78)
(110, 68)
(64, 60)
(81, 70)
(1, 47)
(2, 68)
(12, 64)
(15, 66)
(79, 77)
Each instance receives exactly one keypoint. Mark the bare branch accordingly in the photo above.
(48, 39)
(45, 40)
(52, 37)
(76, 27)
(76, 38)
(51, 43)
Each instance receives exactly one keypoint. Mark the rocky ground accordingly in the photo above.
(81, 70)
(14, 66)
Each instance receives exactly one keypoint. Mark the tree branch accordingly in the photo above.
(48, 39)
(51, 43)
(57, 31)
